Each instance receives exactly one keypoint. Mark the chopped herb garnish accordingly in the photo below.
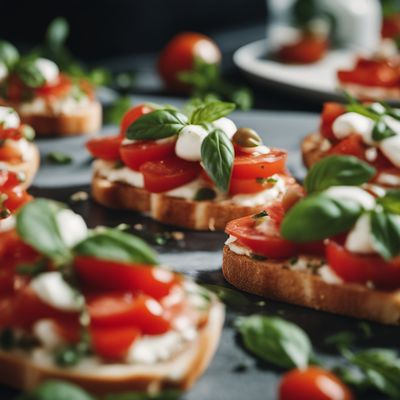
(205, 194)
(257, 257)
(32, 269)
(264, 181)
(28, 132)
(261, 214)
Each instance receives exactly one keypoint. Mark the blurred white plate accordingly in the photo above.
(317, 80)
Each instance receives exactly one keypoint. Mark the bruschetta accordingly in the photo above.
(94, 307)
(196, 171)
(335, 249)
(17, 151)
(48, 100)
(370, 132)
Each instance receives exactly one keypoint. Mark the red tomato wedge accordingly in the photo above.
(105, 148)
(308, 49)
(135, 154)
(59, 88)
(330, 112)
(124, 309)
(313, 383)
(168, 174)
(353, 267)
(118, 276)
(271, 245)
(132, 115)
(260, 166)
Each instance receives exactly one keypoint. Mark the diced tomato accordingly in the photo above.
(270, 245)
(132, 115)
(11, 133)
(260, 166)
(308, 49)
(353, 267)
(352, 146)
(135, 154)
(313, 383)
(60, 88)
(15, 89)
(253, 185)
(118, 276)
(105, 148)
(330, 112)
(9, 179)
(16, 198)
(168, 174)
(115, 309)
(10, 153)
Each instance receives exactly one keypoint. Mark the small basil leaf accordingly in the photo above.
(165, 395)
(217, 155)
(29, 73)
(382, 131)
(8, 54)
(204, 194)
(229, 296)
(158, 124)
(56, 389)
(275, 340)
(362, 110)
(385, 229)
(338, 171)
(112, 244)
(37, 226)
(318, 217)
(391, 201)
(211, 112)
(57, 157)
(57, 33)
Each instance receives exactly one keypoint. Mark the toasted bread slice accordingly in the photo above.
(270, 278)
(83, 120)
(29, 167)
(311, 149)
(19, 370)
(371, 93)
(198, 215)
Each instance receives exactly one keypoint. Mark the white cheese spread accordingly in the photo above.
(9, 118)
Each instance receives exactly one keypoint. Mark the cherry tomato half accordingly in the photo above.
(330, 112)
(105, 148)
(308, 49)
(132, 115)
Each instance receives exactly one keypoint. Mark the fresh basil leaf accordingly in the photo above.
(275, 340)
(382, 131)
(242, 97)
(29, 73)
(385, 228)
(217, 155)
(341, 340)
(56, 390)
(230, 297)
(165, 395)
(37, 226)
(8, 54)
(57, 157)
(113, 244)
(158, 124)
(318, 217)
(338, 171)
(211, 112)
(204, 194)
(391, 201)
(382, 370)
(57, 33)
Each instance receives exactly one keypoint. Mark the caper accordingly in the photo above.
(246, 137)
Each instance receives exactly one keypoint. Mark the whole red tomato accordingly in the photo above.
(179, 55)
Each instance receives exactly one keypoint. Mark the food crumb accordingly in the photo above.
(79, 196)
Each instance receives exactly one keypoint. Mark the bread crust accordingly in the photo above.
(311, 149)
(269, 278)
(29, 167)
(25, 374)
(198, 215)
(86, 121)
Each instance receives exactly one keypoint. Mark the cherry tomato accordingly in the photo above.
(168, 174)
(118, 276)
(259, 166)
(105, 148)
(9, 179)
(132, 115)
(60, 88)
(313, 383)
(330, 112)
(16, 90)
(180, 54)
(270, 245)
(135, 154)
(124, 309)
(308, 49)
(353, 267)
(254, 185)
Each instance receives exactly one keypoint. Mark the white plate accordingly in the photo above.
(317, 80)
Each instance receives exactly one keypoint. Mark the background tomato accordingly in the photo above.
(307, 50)
(179, 55)
(59, 88)
(313, 383)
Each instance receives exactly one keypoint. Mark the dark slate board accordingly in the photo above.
(199, 255)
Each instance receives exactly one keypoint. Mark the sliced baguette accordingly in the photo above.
(84, 120)
(269, 278)
(181, 372)
(311, 149)
(198, 215)
(29, 167)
